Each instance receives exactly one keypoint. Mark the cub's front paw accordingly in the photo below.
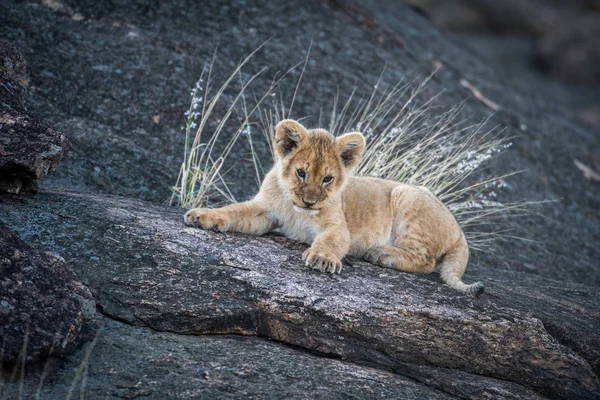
(206, 219)
(322, 261)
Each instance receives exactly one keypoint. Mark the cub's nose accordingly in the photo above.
(309, 203)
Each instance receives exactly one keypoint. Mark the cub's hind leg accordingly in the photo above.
(429, 236)
(404, 259)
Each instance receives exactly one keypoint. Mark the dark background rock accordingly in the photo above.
(566, 31)
(40, 299)
(525, 37)
(28, 148)
(145, 268)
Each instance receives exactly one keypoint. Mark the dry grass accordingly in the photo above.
(420, 145)
(200, 176)
(408, 140)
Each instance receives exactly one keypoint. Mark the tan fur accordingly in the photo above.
(387, 223)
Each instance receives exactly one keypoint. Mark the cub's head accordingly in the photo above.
(314, 164)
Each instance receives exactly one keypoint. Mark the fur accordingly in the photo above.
(312, 196)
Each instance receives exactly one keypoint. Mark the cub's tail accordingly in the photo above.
(453, 267)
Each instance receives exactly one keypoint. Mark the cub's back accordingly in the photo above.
(368, 212)
(378, 211)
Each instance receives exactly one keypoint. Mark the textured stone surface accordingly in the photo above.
(41, 300)
(161, 365)
(146, 268)
(14, 76)
(565, 31)
(28, 148)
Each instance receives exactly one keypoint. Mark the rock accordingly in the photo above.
(161, 365)
(591, 114)
(571, 51)
(41, 301)
(565, 32)
(527, 336)
(28, 148)
(14, 75)
(451, 14)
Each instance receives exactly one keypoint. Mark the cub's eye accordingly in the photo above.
(301, 174)
(327, 179)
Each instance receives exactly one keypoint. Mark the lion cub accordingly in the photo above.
(311, 195)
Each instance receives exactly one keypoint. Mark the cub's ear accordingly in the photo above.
(351, 147)
(288, 135)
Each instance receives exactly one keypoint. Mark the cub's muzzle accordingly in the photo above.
(311, 195)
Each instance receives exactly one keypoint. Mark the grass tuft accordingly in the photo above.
(412, 142)
(408, 140)
(200, 180)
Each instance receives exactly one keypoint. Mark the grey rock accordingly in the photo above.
(161, 365)
(526, 334)
(571, 52)
(565, 32)
(28, 148)
(42, 304)
(14, 76)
